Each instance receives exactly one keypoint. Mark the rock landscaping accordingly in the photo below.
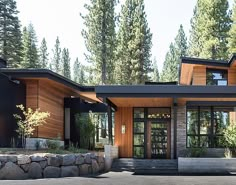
(19, 167)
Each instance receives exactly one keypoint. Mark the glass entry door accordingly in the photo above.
(158, 140)
(151, 133)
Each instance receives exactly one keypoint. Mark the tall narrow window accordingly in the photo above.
(217, 77)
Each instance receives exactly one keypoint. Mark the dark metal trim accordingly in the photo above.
(211, 103)
(175, 127)
(165, 91)
(45, 73)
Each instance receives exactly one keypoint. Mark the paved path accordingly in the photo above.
(127, 178)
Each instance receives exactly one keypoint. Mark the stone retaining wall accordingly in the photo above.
(14, 167)
(206, 165)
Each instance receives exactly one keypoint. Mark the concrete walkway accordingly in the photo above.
(127, 178)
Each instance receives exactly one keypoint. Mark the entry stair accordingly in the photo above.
(145, 166)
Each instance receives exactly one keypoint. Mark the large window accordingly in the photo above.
(205, 125)
(216, 77)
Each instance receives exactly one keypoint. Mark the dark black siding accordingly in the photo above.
(11, 94)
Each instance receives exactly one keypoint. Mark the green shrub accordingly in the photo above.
(230, 137)
(53, 145)
(196, 152)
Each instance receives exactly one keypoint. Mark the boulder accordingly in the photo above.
(100, 159)
(37, 158)
(43, 164)
(84, 169)
(69, 171)
(95, 166)
(35, 171)
(55, 161)
(9, 158)
(12, 172)
(101, 167)
(51, 172)
(23, 159)
(79, 160)
(87, 158)
(68, 160)
(25, 167)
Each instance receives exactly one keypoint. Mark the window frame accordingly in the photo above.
(217, 71)
(145, 119)
(210, 136)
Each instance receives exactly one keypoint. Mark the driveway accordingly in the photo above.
(127, 178)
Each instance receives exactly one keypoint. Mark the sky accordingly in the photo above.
(52, 18)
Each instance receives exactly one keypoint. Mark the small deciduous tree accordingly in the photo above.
(230, 137)
(28, 121)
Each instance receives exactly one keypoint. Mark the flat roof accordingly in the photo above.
(45, 73)
(173, 91)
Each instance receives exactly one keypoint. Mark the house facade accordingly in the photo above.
(151, 121)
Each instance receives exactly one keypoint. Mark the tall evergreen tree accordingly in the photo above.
(79, 72)
(134, 44)
(155, 75)
(30, 50)
(56, 60)
(43, 54)
(170, 66)
(66, 63)
(177, 50)
(210, 26)
(10, 34)
(232, 32)
(181, 42)
(99, 36)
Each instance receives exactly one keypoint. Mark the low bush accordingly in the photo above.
(196, 152)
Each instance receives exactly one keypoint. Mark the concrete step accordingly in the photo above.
(142, 166)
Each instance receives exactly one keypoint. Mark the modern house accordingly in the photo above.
(154, 120)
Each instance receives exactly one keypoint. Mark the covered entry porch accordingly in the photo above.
(144, 127)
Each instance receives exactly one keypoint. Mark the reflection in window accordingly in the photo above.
(138, 152)
(138, 112)
(216, 77)
(138, 127)
(205, 125)
(205, 120)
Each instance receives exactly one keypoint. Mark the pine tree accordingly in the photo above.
(155, 75)
(181, 42)
(43, 54)
(210, 26)
(232, 32)
(134, 44)
(99, 36)
(177, 50)
(10, 34)
(66, 63)
(170, 66)
(56, 61)
(79, 72)
(30, 51)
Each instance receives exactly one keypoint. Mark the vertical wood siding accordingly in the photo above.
(124, 116)
(49, 97)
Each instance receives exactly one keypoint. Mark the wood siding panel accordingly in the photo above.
(32, 91)
(199, 75)
(142, 102)
(232, 76)
(124, 116)
(49, 97)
